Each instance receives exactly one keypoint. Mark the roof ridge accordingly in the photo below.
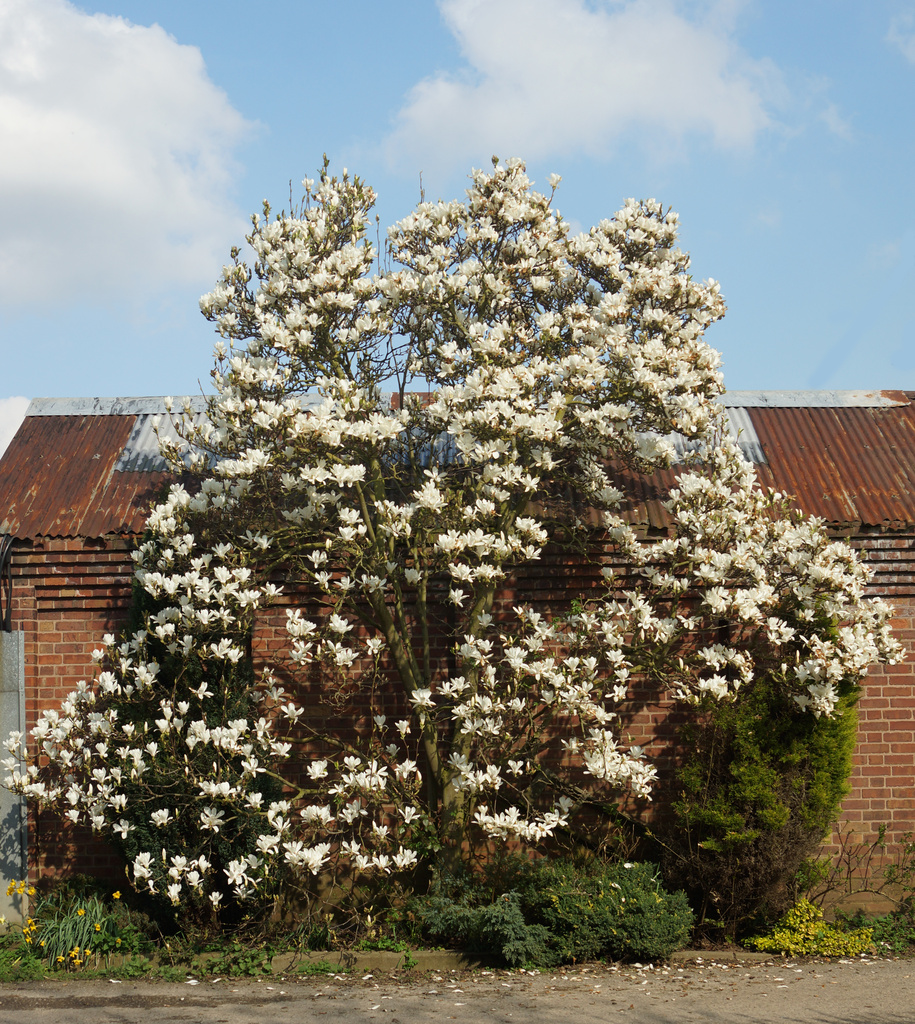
(814, 399)
(138, 406)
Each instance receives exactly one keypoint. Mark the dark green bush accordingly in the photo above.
(559, 912)
(760, 785)
(619, 911)
(494, 929)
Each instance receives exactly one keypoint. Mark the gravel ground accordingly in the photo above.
(860, 991)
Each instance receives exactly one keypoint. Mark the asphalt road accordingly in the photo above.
(863, 991)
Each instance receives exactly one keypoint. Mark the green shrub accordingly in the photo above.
(620, 911)
(496, 929)
(559, 912)
(760, 785)
(803, 932)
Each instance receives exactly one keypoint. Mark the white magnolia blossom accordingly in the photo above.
(533, 365)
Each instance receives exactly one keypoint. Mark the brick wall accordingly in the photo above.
(883, 779)
(67, 593)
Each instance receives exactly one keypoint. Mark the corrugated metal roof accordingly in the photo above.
(847, 465)
(90, 467)
(845, 456)
(742, 427)
(85, 467)
(57, 479)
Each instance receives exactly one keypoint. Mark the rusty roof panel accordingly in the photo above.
(851, 466)
(847, 457)
(57, 479)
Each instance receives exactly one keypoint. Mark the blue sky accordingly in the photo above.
(139, 135)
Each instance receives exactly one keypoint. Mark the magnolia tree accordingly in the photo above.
(529, 365)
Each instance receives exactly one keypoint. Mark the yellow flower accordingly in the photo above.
(116, 895)
(81, 912)
(98, 927)
(31, 890)
(60, 959)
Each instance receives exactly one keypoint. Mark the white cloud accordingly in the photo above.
(12, 411)
(902, 34)
(116, 166)
(836, 123)
(543, 77)
(770, 217)
(883, 256)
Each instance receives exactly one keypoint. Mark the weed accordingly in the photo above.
(315, 968)
(132, 967)
(892, 933)
(238, 960)
(171, 972)
(17, 961)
